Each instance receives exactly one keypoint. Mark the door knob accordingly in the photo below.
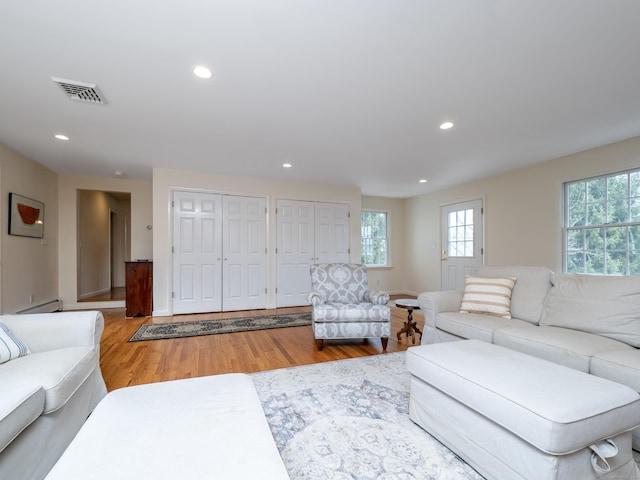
(444, 255)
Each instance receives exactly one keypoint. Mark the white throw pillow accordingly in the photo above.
(11, 346)
(487, 295)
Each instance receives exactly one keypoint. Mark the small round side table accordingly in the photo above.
(410, 327)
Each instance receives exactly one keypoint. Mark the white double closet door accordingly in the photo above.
(219, 252)
(307, 232)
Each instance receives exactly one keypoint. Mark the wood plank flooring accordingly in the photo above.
(124, 364)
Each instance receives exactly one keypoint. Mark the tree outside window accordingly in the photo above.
(602, 225)
(375, 242)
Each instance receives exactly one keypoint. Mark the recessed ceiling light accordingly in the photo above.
(423, 180)
(118, 173)
(287, 165)
(59, 136)
(446, 126)
(201, 71)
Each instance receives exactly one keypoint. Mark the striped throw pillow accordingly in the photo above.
(487, 295)
(11, 346)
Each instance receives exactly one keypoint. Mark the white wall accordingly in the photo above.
(523, 212)
(29, 265)
(166, 181)
(392, 278)
(141, 237)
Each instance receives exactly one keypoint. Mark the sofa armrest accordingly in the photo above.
(49, 331)
(377, 297)
(432, 303)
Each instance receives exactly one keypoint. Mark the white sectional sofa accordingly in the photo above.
(588, 323)
(47, 395)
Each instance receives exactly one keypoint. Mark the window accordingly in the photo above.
(375, 243)
(460, 233)
(602, 225)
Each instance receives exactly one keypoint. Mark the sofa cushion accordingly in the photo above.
(622, 366)
(570, 348)
(20, 405)
(529, 292)
(607, 306)
(474, 325)
(490, 295)
(59, 372)
(11, 346)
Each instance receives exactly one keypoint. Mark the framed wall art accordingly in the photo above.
(26, 216)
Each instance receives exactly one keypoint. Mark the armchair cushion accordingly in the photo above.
(352, 312)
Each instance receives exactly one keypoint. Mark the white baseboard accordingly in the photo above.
(94, 293)
(94, 305)
(48, 307)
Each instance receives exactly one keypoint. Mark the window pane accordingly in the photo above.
(595, 213)
(594, 263)
(594, 238)
(374, 238)
(460, 233)
(575, 239)
(575, 262)
(634, 209)
(616, 238)
(634, 184)
(596, 190)
(577, 193)
(634, 262)
(578, 215)
(616, 263)
(453, 234)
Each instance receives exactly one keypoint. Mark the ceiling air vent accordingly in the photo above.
(84, 92)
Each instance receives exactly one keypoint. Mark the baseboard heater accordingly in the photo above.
(48, 307)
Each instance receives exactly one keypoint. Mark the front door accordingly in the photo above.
(462, 242)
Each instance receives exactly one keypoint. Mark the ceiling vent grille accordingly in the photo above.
(81, 91)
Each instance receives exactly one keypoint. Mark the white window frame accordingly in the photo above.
(387, 242)
(584, 242)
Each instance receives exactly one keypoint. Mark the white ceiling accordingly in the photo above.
(351, 92)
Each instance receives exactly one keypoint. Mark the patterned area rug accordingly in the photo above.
(158, 331)
(348, 419)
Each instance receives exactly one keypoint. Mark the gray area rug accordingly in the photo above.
(348, 419)
(158, 331)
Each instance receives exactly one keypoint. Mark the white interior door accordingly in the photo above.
(332, 233)
(295, 251)
(462, 242)
(307, 232)
(197, 241)
(244, 253)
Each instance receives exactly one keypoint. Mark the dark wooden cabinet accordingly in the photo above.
(139, 288)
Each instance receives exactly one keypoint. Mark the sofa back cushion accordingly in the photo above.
(531, 288)
(602, 305)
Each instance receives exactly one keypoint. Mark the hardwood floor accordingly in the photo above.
(116, 293)
(124, 364)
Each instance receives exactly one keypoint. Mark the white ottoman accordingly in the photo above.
(207, 427)
(510, 415)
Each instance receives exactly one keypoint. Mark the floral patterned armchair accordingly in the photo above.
(343, 305)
